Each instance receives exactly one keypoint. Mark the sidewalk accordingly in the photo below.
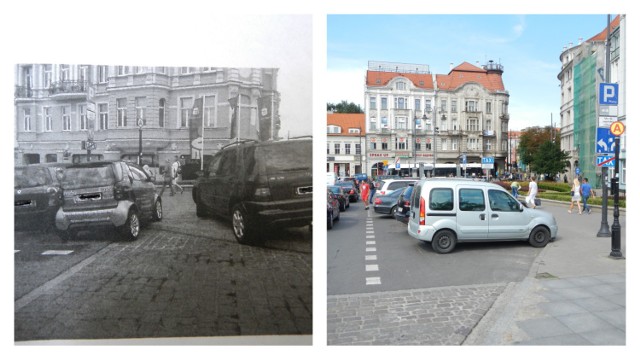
(574, 295)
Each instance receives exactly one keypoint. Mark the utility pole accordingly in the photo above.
(604, 224)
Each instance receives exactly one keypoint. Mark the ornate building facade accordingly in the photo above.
(451, 121)
(72, 113)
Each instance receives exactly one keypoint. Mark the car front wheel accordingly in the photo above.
(157, 210)
(539, 237)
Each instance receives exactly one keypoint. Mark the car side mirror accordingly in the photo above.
(521, 207)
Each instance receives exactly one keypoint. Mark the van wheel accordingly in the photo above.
(242, 228)
(444, 241)
(131, 228)
(539, 237)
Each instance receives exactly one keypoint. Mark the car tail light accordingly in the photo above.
(407, 203)
(422, 211)
(377, 201)
(351, 191)
(262, 193)
(120, 191)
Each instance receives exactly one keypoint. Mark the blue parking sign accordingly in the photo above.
(608, 94)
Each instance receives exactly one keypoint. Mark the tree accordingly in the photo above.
(345, 108)
(540, 149)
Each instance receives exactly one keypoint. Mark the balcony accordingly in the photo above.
(64, 90)
(23, 92)
(504, 117)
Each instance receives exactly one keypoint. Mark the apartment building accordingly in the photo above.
(447, 122)
(75, 112)
(345, 144)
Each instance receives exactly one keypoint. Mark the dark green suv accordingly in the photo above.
(258, 185)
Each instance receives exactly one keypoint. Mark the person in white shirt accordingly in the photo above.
(533, 191)
(174, 175)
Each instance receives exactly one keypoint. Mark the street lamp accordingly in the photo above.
(140, 123)
(415, 154)
(435, 148)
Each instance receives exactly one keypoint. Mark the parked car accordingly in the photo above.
(403, 206)
(350, 189)
(445, 212)
(107, 193)
(386, 204)
(392, 184)
(342, 197)
(37, 196)
(333, 209)
(258, 186)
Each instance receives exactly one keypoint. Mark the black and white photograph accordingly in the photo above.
(164, 204)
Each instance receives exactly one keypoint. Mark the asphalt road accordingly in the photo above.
(406, 263)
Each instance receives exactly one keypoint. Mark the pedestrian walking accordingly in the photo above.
(372, 191)
(165, 170)
(176, 169)
(586, 191)
(575, 196)
(364, 192)
(533, 191)
(515, 187)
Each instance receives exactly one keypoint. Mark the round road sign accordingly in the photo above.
(617, 128)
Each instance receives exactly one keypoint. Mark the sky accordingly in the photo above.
(527, 46)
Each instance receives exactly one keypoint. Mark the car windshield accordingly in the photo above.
(290, 156)
(345, 184)
(94, 176)
(335, 189)
(29, 177)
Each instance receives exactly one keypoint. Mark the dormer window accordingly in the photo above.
(333, 129)
(354, 131)
(400, 85)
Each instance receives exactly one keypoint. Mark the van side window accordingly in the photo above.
(441, 199)
(471, 200)
(501, 201)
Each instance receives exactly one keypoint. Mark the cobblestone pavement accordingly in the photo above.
(435, 316)
(168, 284)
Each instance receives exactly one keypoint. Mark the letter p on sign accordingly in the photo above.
(608, 94)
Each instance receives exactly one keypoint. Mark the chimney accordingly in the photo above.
(579, 41)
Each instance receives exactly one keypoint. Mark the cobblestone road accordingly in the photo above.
(168, 284)
(435, 316)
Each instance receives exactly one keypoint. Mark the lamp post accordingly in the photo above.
(415, 154)
(435, 148)
(140, 123)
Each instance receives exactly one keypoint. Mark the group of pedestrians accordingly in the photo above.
(579, 192)
(170, 172)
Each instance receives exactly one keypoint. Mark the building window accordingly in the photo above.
(27, 119)
(385, 146)
(373, 146)
(347, 149)
(472, 144)
(358, 149)
(121, 108)
(427, 145)
(401, 86)
(140, 110)
(401, 144)
(488, 107)
(472, 125)
(209, 111)
(384, 123)
(161, 70)
(454, 144)
(51, 158)
(48, 76)
(417, 145)
(372, 103)
(161, 112)
(373, 125)
(65, 72)
(427, 105)
(186, 70)
(444, 144)
(383, 103)
(400, 103)
(336, 148)
(333, 129)
(103, 110)
(470, 105)
(443, 105)
(328, 147)
(354, 131)
(66, 119)
(48, 126)
(82, 113)
(401, 123)
(488, 125)
(103, 74)
(123, 70)
(186, 104)
(454, 106)
(487, 145)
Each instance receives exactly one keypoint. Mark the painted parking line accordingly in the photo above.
(373, 281)
(372, 267)
(57, 252)
(371, 257)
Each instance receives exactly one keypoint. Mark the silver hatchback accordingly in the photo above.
(447, 211)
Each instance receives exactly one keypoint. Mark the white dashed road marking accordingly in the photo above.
(370, 234)
(57, 252)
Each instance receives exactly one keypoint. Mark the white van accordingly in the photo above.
(447, 211)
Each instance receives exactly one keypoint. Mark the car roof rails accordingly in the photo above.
(238, 142)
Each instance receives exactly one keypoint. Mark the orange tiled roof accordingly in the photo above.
(602, 36)
(346, 122)
(466, 73)
(382, 78)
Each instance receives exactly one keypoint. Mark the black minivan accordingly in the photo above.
(258, 185)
